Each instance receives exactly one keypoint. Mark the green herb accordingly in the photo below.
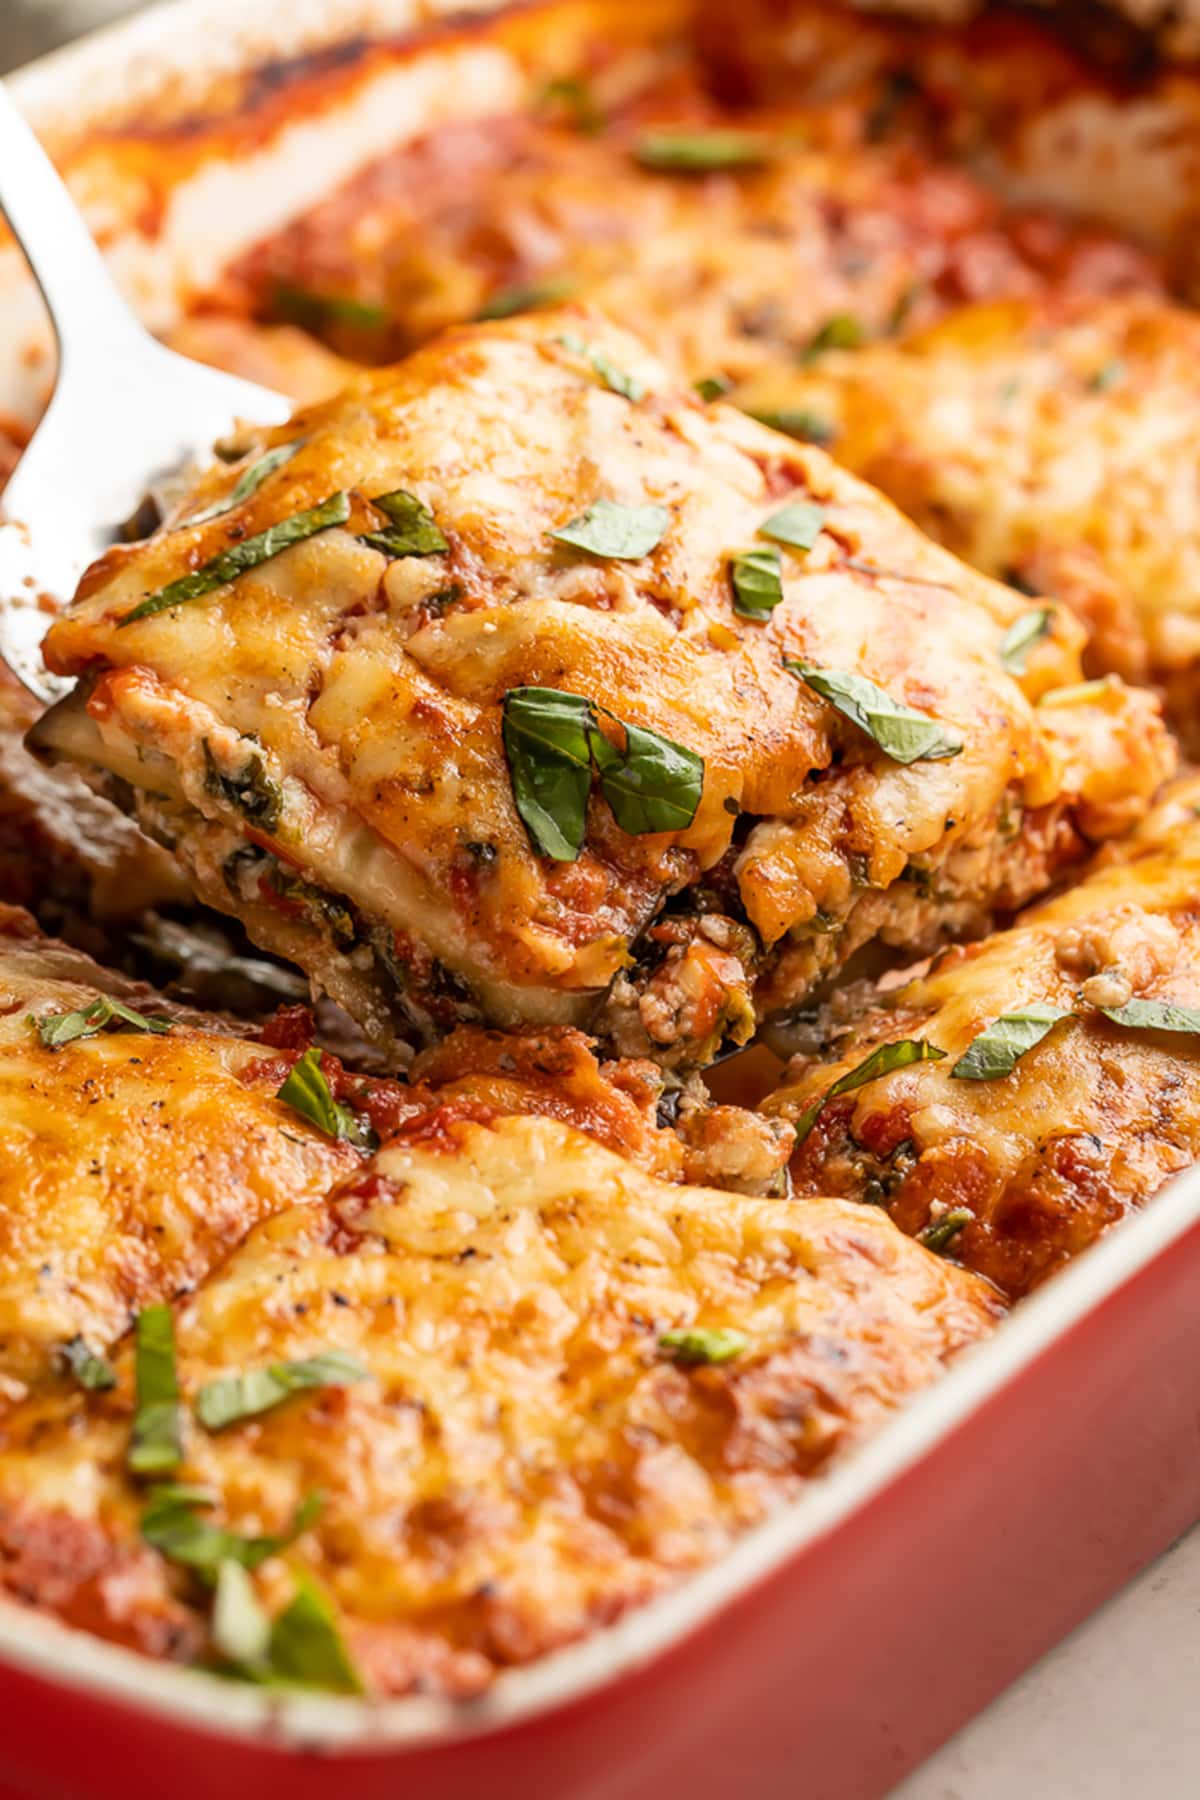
(798, 524)
(796, 422)
(250, 792)
(1107, 375)
(241, 1630)
(938, 1235)
(157, 1444)
(697, 1345)
(57, 1029)
(628, 386)
(413, 530)
(552, 742)
(757, 583)
(576, 97)
(172, 1525)
(303, 306)
(700, 152)
(998, 1049)
(525, 297)
(1079, 693)
(248, 483)
(90, 1371)
(306, 1647)
(841, 332)
(904, 735)
(236, 1397)
(1022, 635)
(618, 533)
(711, 387)
(1154, 1015)
(307, 1092)
(881, 1061)
(249, 554)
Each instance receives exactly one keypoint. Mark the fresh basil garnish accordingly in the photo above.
(307, 1092)
(698, 1345)
(615, 532)
(997, 1050)
(904, 735)
(241, 1629)
(248, 483)
(941, 1233)
(57, 1029)
(700, 152)
(304, 306)
(157, 1444)
(628, 386)
(1022, 635)
(235, 1397)
(90, 1370)
(413, 530)
(881, 1061)
(757, 577)
(306, 1648)
(798, 524)
(172, 1525)
(249, 554)
(1154, 1015)
(552, 741)
(712, 387)
(796, 422)
(527, 296)
(842, 332)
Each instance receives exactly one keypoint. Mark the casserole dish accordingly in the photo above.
(771, 1659)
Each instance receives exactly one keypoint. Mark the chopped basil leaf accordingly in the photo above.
(711, 387)
(241, 1630)
(1107, 375)
(880, 1062)
(998, 1049)
(1079, 693)
(577, 98)
(57, 1029)
(699, 1346)
(157, 1444)
(248, 483)
(611, 530)
(939, 1234)
(307, 1091)
(1022, 635)
(552, 741)
(796, 422)
(1154, 1015)
(306, 1648)
(413, 530)
(235, 1397)
(904, 735)
(303, 306)
(506, 303)
(249, 554)
(842, 332)
(700, 152)
(798, 524)
(757, 583)
(653, 784)
(172, 1525)
(626, 385)
(90, 1370)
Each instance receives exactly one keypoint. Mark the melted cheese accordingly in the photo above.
(524, 1461)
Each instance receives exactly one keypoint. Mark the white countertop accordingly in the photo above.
(1112, 1714)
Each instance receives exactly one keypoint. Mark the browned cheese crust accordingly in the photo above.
(524, 1460)
(360, 698)
(1089, 1123)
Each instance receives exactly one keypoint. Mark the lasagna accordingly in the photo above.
(520, 685)
(1020, 1097)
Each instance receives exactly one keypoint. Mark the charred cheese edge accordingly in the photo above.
(368, 694)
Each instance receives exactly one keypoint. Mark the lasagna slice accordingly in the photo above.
(1052, 444)
(499, 1388)
(1022, 1096)
(517, 685)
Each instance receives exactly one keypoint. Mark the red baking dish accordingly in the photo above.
(840, 1643)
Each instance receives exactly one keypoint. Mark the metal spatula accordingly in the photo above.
(125, 413)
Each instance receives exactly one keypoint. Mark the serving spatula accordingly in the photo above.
(125, 413)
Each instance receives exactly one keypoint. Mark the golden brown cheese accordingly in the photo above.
(1051, 443)
(1089, 1123)
(321, 737)
(525, 1459)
